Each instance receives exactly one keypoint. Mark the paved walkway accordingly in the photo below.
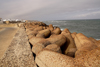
(19, 53)
(6, 36)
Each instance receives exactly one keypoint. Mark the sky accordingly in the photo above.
(50, 9)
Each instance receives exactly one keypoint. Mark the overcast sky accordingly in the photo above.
(50, 9)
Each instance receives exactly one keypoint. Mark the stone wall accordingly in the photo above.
(19, 52)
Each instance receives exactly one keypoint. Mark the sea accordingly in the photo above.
(90, 28)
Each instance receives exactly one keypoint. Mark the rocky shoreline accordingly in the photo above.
(52, 47)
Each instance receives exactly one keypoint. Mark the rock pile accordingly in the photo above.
(56, 48)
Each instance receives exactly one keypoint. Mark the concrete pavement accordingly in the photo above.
(6, 36)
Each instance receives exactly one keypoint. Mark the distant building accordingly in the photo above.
(7, 21)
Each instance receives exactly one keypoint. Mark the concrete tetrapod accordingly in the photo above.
(73, 34)
(98, 40)
(69, 48)
(44, 33)
(53, 47)
(32, 32)
(97, 43)
(66, 30)
(56, 31)
(39, 46)
(30, 36)
(92, 39)
(47, 58)
(89, 56)
(34, 40)
(29, 29)
(57, 39)
(39, 28)
(51, 27)
(83, 44)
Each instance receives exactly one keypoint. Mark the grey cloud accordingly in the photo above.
(50, 9)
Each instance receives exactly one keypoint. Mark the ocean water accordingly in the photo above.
(90, 28)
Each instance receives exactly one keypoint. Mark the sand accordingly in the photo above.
(6, 35)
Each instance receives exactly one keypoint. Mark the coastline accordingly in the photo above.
(51, 47)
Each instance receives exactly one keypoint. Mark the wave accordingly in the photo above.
(97, 39)
(56, 25)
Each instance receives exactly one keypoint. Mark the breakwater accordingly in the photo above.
(51, 47)
(56, 48)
